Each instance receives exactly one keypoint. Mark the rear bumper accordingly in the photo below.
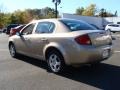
(89, 55)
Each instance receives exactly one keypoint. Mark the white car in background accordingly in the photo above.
(113, 27)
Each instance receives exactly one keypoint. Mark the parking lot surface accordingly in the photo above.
(26, 73)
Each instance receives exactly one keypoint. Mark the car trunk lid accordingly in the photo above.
(100, 38)
(97, 37)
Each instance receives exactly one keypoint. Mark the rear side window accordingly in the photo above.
(45, 27)
(75, 25)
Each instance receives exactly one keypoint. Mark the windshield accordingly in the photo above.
(75, 25)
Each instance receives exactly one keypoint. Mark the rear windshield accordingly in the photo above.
(75, 25)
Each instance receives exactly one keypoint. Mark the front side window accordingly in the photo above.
(28, 30)
(45, 27)
(75, 25)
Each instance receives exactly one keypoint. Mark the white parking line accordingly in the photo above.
(117, 51)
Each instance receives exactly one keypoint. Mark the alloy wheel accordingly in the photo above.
(12, 50)
(54, 62)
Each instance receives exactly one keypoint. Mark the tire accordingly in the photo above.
(12, 50)
(55, 61)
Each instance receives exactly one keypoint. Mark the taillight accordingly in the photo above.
(83, 40)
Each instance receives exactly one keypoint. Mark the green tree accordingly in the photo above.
(104, 13)
(90, 10)
(14, 19)
(79, 11)
(48, 12)
(1, 17)
(23, 17)
(7, 19)
(1, 20)
(27, 17)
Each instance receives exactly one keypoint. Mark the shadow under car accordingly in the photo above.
(104, 76)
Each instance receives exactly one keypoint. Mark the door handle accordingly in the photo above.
(44, 39)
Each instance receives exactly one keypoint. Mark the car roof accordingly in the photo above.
(40, 20)
(54, 20)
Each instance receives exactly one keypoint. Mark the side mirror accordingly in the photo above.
(18, 34)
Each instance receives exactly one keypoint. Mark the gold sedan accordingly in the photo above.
(61, 42)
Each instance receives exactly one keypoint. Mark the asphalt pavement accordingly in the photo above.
(26, 73)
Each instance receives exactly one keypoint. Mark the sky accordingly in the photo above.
(66, 6)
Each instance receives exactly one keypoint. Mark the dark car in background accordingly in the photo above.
(4, 30)
(0, 30)
(14, 30)
(8, 28)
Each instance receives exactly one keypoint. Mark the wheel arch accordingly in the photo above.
(58, 48)
(10, 43)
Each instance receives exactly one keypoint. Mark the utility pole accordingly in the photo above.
(116, 14)
(56, 2)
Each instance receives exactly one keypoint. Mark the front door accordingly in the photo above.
(23, 41)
